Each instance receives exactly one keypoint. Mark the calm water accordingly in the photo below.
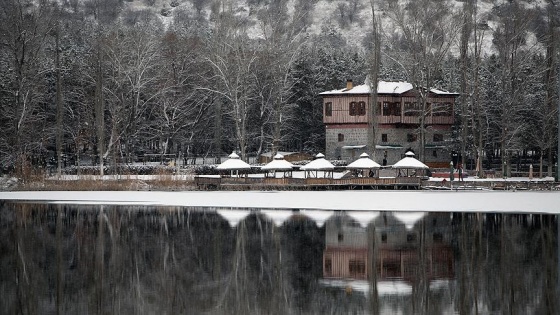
(66, 259)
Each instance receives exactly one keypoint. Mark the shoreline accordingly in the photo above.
(363, 200)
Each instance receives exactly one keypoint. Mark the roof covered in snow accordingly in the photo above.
(410, 162)
(383, 87)
(234, 163)
(364, 162)
(278, 164)
(320, 164)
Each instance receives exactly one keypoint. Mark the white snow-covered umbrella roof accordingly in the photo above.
(409, 218)
(234, 216)
(278, 216)
(364, 162)
(410, 162)
(234, 163)
(363, 217)
(319, 216)
(278, 164)
(319, 164)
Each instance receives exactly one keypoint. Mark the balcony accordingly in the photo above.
(414, 120)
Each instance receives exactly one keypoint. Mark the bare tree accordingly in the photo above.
(513, 53)
(233, 60)
(281, 46)
(374, 64)
(23, 33)
(427, 32)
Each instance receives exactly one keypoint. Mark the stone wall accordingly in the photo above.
(396, 137)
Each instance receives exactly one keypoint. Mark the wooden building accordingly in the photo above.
(397, 117)
(399, 254)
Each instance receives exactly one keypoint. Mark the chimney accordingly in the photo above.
(349, 84)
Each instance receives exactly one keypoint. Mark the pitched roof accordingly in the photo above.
(409, 162)
(364, 162)
(320, 164)
(234, 163)
(278, 164)
(383, 87)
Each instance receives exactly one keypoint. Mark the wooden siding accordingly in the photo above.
(337, 261)
(414, 120)
(405, 263)
(341, 109)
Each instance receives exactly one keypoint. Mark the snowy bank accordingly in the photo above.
(366, 200)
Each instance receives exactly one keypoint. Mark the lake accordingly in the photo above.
(134, 259)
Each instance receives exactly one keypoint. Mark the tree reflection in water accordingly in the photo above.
(66, 259)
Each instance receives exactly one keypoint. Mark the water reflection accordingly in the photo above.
(65, 259)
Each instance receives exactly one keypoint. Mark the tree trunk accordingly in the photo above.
(375, 60)
(99, 108)
(59, 109)
(465, 35)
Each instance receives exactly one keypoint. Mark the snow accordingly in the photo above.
(278, 216)
(364, 162)
(409, 218)
(363, 200)
(233, 216)
(410, 163)
(320, 164)
(278, 164)
(234, 163)
(383, 87)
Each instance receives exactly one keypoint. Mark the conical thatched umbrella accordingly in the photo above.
(364, 163)
(278, 164)
(234, 164)
(409, 163)
(319, 164)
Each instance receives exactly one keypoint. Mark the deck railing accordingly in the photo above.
(298, 182)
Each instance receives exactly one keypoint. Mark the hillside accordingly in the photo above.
(351, 19)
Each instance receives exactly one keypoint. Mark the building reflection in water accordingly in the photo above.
(409, 247)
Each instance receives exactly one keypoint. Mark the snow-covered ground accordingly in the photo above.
(444, 201)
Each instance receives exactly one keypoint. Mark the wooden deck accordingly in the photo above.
(252, 183)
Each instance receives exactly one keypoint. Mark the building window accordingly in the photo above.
(384, 237)
(396, 109)
(438, 137)
(448, 109)
(357, 267)
(438, 109)
(361, 108)
(328, 109)
(340, 137)
(434, 153)
(353, 109)
(386, 109)
(340, 237)
(328, 266)
(411, 237)
(410, 137)
(411, 109)
(383, 137)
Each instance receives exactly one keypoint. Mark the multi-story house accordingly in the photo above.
(399, 252)
(397, 120)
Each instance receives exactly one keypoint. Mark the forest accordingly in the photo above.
(106, 81)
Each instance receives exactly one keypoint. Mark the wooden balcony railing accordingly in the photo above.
(300, 182)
